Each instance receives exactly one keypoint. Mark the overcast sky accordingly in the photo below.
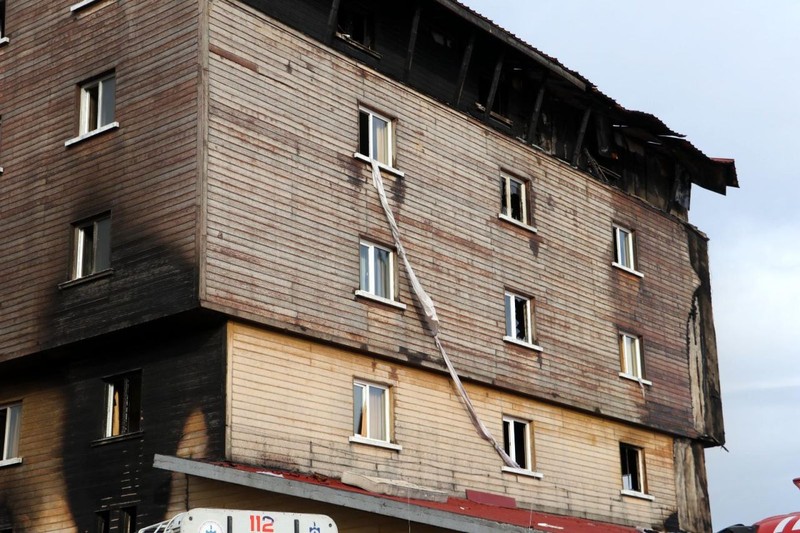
(726, 74)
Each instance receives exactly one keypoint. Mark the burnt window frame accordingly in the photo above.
(125, 418)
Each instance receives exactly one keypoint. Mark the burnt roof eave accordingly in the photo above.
(717, 174)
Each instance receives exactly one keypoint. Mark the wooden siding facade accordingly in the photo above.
(144, 173)
(288, 204)
(291, 405)
(69, 470)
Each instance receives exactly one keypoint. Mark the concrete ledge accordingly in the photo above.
(393, 487)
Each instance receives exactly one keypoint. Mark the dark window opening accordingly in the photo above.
(357, 26)
(102, 522)
(2, 18)
(501, 96)
(631, 462)
(128, 520)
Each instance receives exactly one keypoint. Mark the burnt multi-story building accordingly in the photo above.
(204, 302)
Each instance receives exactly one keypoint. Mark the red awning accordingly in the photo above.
(479, 509)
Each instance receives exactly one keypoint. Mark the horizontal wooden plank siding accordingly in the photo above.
(69, 471)
(291, 405)
(144, 172)
(288, 203)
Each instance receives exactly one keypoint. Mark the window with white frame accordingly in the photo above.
(519, 321)
(514, 201)
(633, 473)
(9, 433)
(98, 100)
(517, 441)
(377, 271)
(630, 354)
(624, 248)
(123, 404)
(371, 414)
(376, 137)
(92, 246)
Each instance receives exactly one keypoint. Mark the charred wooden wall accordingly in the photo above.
(69, 472)
(288, 203)
(144, 172)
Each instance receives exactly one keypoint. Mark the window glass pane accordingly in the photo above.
(108, 98)
(364, 261)
(3, 423)
(380, 140)
(383, 273)
(504, 192)
(507, 437)
(92, 95)
(116, 408)
(509, 316)
(134, 403)
(622, 248)
(521, 318)
(358, 410)
(517, 198)
(102, 258)
(377, 414)
(12, 438)
(520, 438)
(363, 134)
(87, 250)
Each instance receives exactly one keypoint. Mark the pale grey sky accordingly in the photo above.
(726, 74)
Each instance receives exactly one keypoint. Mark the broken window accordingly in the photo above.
(631, 355)
(632, 463)
(357, 27)
(92, 246)
(377, 270)
(501, 96)
(519, 326)
(514, 201)
(516, 441)
(123, 404)
(624, 248)
(9, 433)
(98, 100)
(376, 137)
(371, 411)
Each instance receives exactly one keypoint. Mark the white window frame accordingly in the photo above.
(627, 487)
(13, 427)
(370, 290)
(388, 165)
(631, 362)
(85, 129)
(513, 299)
(510, 446)
(366, 435)
(98, 243)
(625, 239)
(506, 214)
